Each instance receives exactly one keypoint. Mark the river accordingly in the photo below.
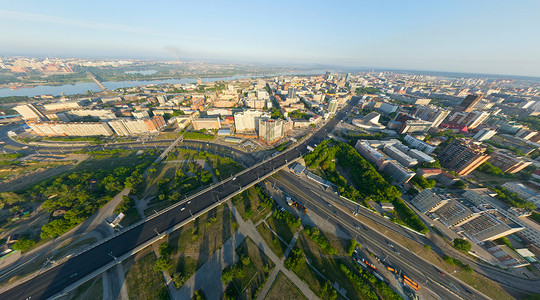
(83, 87)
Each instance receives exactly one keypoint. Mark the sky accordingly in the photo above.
(494, 37)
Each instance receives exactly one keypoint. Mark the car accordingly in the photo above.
(189, 202)
(397, 252)
(389, 244)
(234, 178)
(183, 207)
(356, 226)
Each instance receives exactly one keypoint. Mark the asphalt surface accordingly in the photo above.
(54, 280)
(502, 277)
(421, 271)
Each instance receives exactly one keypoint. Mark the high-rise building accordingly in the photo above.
(348, 77)
(332, 106)
(463, 156)
(270, 130)
(248, 120)
(467, 105)
(291, 93)
(30, 113)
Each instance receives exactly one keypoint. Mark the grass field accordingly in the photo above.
(142, 281)
(283, 288)
(249, 200)
(255, 274)
(196, 242)
(273, 242)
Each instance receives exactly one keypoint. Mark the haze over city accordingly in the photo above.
(270, 150)
(496, 37)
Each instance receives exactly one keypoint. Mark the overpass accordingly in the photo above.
(68, 274)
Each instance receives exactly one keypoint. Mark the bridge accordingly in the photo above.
(67, 275)
(101, 86)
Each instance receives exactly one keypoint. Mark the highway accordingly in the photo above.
(439, 246)
(56, 279)
(421, 271)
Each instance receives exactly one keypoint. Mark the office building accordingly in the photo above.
(248, 120)
(508, 162)
(463, 156)
(270, 130)
(467, 105)
(484, 135)
(30, 113)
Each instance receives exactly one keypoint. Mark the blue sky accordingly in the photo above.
(501, 37)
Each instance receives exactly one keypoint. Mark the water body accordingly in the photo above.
(143, 72)
(83, 87)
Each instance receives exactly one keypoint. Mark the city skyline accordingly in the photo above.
(479, 37)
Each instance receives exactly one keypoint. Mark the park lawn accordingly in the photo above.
(193, 244)
(283, 288)
(254, 273)
(249, 199)
(273, 242)
(141, 279)
(90, 290)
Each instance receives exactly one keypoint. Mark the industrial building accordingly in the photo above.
(71, 129)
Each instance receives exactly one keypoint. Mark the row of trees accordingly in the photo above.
(370, 185)
(512, 199)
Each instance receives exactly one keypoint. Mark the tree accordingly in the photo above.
(163, 264)
(227, 275)
(24, 244)
(460, 184)
(462, 245)
(352, 246)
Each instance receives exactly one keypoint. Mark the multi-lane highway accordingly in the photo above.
(502, 277)
(428, 276)
(56, 279)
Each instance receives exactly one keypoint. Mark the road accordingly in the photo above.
(316, 192)
(413, 266)
(54, 280)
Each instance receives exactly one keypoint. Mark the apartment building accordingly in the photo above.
(463, 156)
